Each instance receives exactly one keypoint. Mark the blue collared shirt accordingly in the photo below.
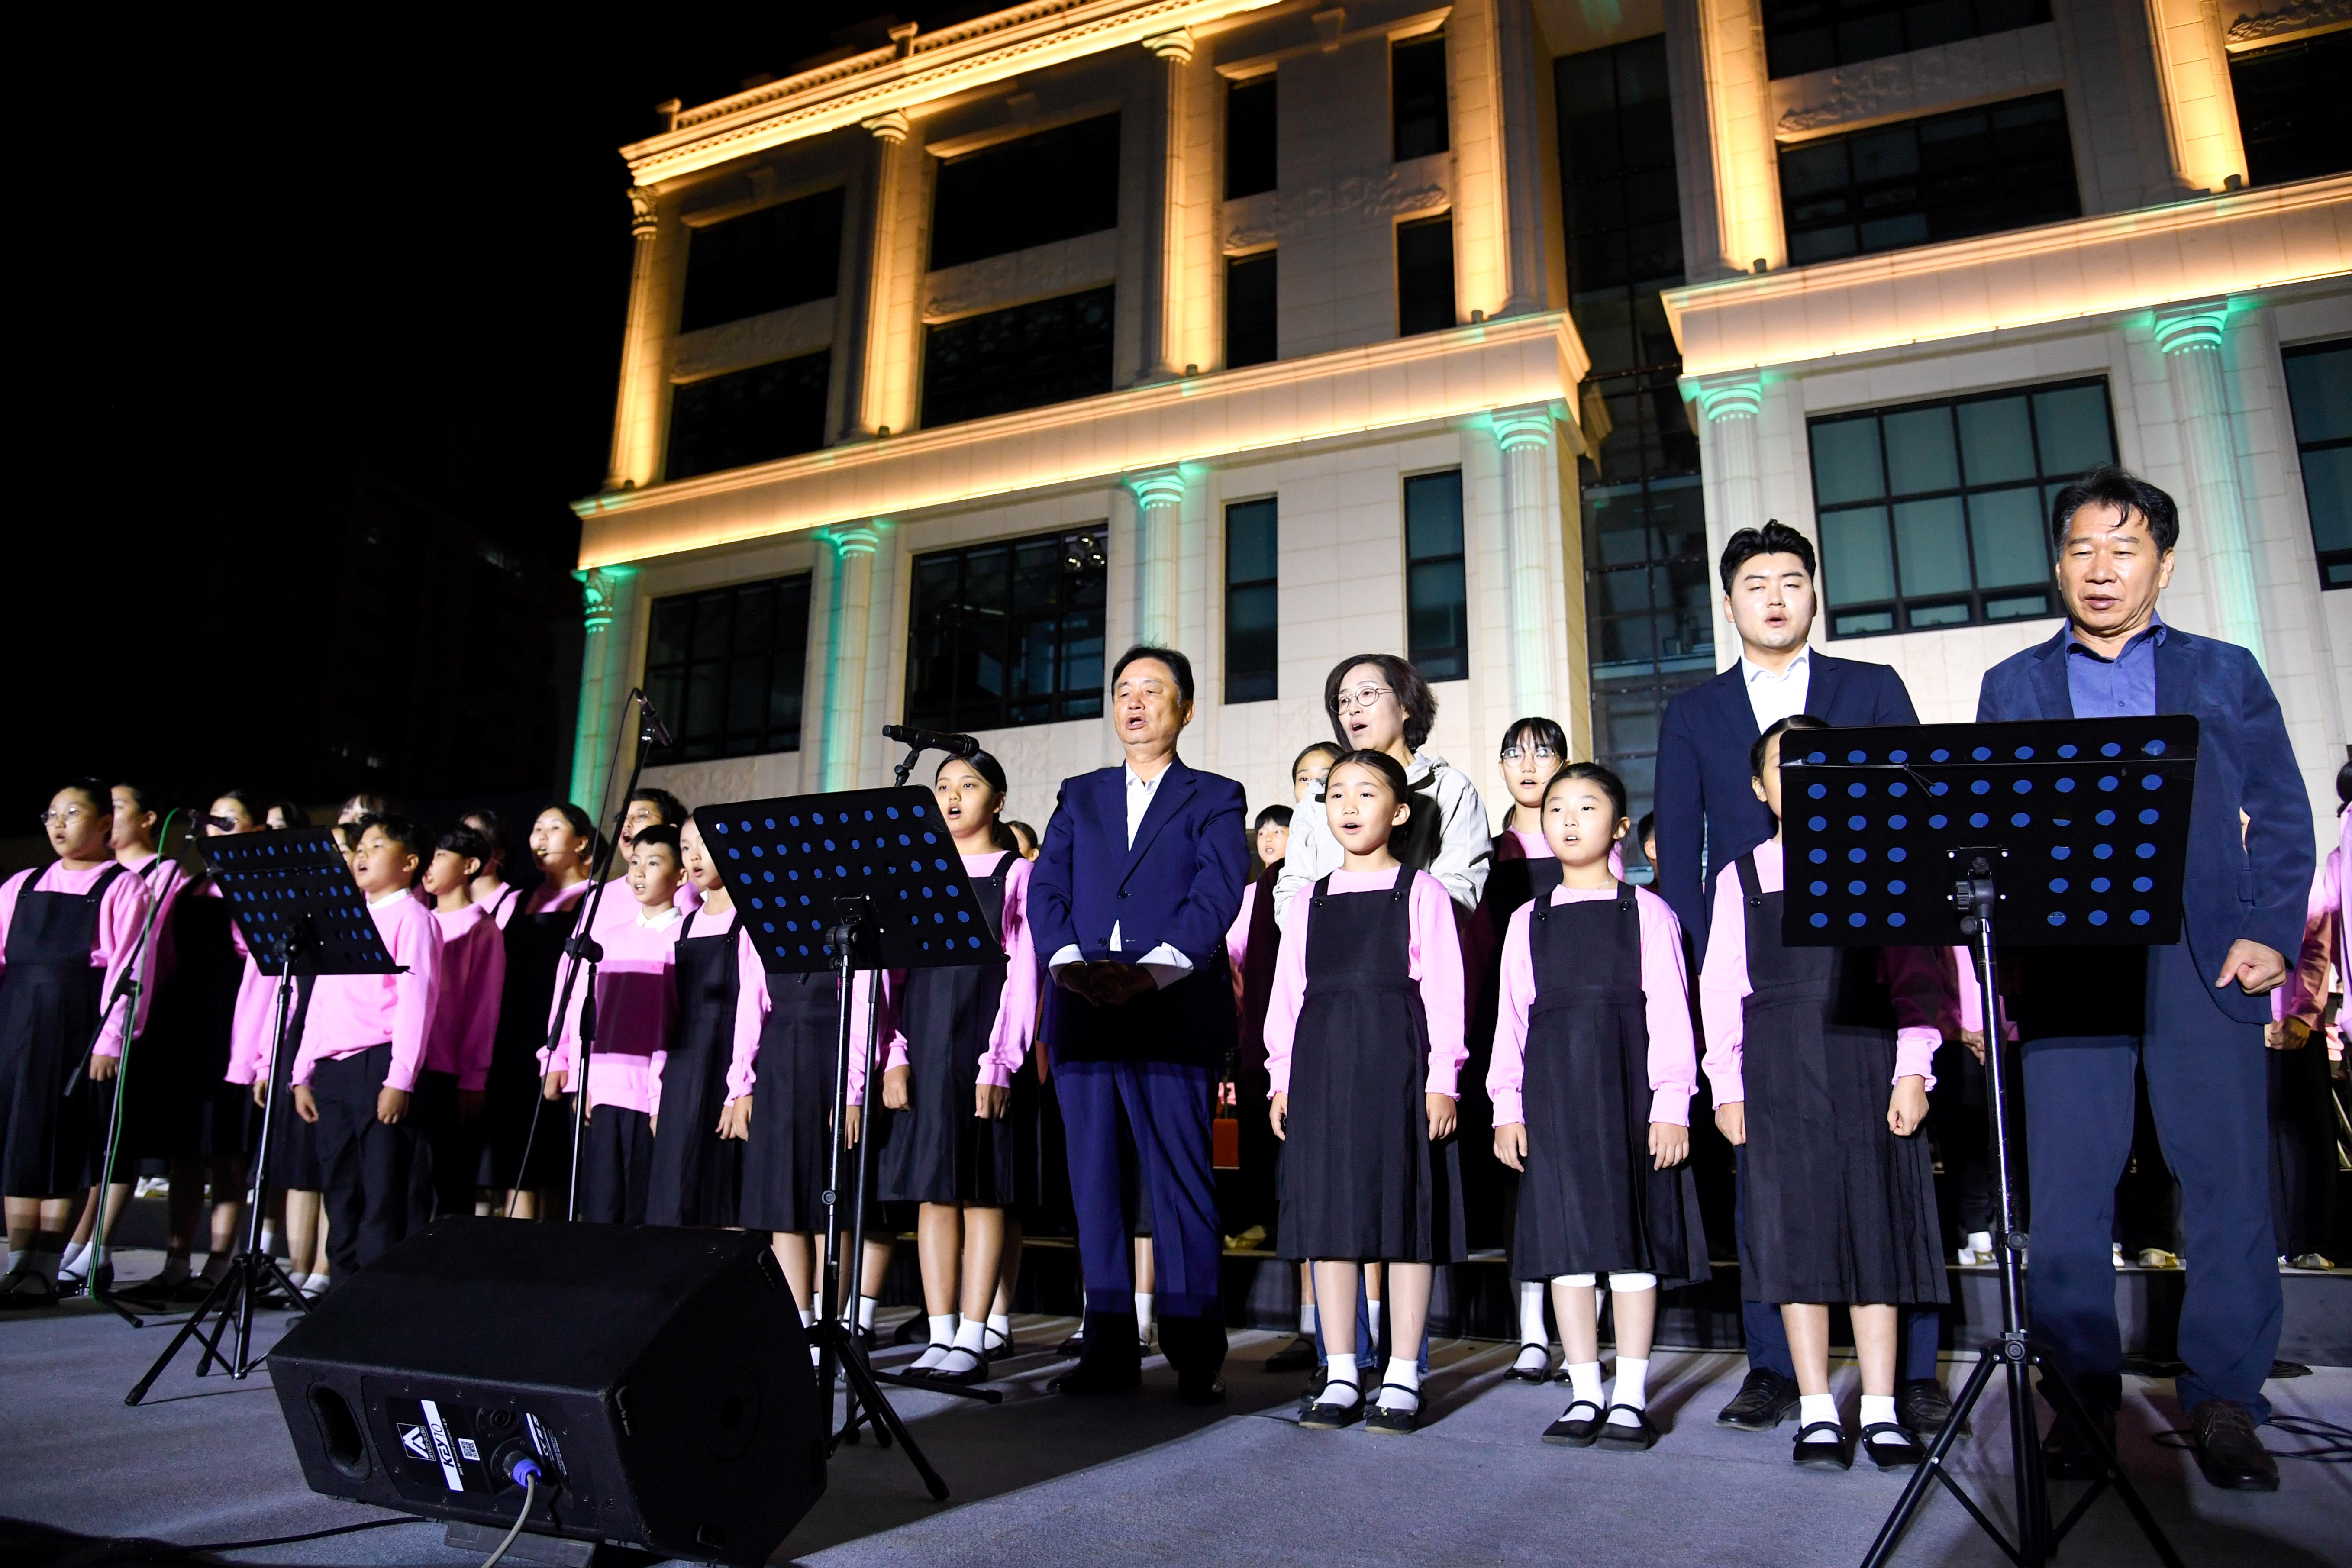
(2123, 687)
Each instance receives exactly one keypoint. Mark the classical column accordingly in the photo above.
(852, 569)
(636, 420)
(1160, 516)
(1166, 321)
(869, 400)
(1525, 436)
(608, 597)
(1727, 412)
(2190, 338)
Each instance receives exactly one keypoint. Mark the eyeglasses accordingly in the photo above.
(1542, 753)
(1364, 696)
(72, 814)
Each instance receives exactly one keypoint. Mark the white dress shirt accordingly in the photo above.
(1772, 697)
(1165, 964)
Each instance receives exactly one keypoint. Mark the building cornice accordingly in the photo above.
(911, 70)
(1435, 376)
(2095, 266)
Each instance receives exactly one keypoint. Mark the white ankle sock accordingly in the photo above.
(75, 1252)
(269, 1238)
(1306, 1320)
(1341, 1388)
(865, 1305)
(1372, 1311)
(1532, 1358)
(942, 1340)
(1143, 1316)
(1813, 1407)
(1000, 1325)
(808, 1318)
(1877, 1408)
(1403, 1372)
(1531, 1319)
(1980, 1241)
(1631, 1375)
(1584, 1380)
(972, 1334)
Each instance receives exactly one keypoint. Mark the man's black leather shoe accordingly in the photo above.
(1083, 1381)
(2066, 1457)
(1923, 1406)
(2230, 1450)
(1200, 1388)
(1763, 1402)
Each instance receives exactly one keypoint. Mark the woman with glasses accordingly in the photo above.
(67, 932)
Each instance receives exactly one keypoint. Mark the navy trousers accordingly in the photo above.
(1767, 1337)
(1168, 1107)
(2208, 1086)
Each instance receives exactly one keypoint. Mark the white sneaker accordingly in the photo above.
(2156, 1257)
(2118, 1247)
(1977, 1249)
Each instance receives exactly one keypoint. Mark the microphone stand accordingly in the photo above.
(582, 949)
(129, 989)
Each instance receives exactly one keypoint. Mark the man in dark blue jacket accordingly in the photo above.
(1707, 817)
(1139, 877)
(2188, 1017)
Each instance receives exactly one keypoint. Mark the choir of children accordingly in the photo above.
(1391, 960)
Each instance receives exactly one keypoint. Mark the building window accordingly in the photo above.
(1437, 594)
(1056, 184)
(1417, 96)
(1252, 612)
(2284, 93)
(1249, 137)
(726, 668)
(1802, 35)
(784, 255)
(1249, 310)
(748, 416)
(1946, 177)
(1426, 275)
(1937, 514)
(2319, 386)
(1649, 607)
(1048, 351)
(1006, 634)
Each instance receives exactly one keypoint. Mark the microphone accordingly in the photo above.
(198, 820)
(653, 720)
(964, 746)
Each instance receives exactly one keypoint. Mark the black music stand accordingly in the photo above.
(2070, 832)
(854, 881)
(291, 893)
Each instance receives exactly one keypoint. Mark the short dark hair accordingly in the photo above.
(1610, 784)
(1020, 830)
(2344, 786)
(403, 831)
(1177, 665)
(661, 834)
(1793, 722)
(1413, 694)
(491, 829)
(366, 805)
(1547, 733)
(1277, 815)
(1775, 538)
(138, 796)
(2124, 490)
(1391, 771)
(98, 792)
(466, 844)
(295, 814)
(1641, 828)
(1329, 749)
(253, 807)
(672, 809)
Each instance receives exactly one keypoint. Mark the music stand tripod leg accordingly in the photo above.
(2069, 1407)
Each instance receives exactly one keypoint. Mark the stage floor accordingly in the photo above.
(85, 1481)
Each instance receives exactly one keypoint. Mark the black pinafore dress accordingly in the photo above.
(1591, 1200)
(936, 1150)
(789, 1156)
(50, 998)
(695, 1173)
(1360, 1179)
(1838, 1207)
(180, 1100)
(512, 1101)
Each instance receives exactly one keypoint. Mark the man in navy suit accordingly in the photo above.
(1139, 877)
(2188, 1017)
(1707, 817)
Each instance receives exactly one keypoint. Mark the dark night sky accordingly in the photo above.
(254, 257)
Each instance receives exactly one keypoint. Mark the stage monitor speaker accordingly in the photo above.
(658, 1377)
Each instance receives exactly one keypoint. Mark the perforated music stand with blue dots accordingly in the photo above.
(2060, 832)
(2085, 820)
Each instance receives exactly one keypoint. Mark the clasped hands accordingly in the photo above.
(1105, 982)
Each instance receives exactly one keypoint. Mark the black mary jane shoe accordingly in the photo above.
(1835, 1455)
(915, 1331)
(1637, 1438)
(1331, 1416)
(1891, 1454)
(1515, 1372)
(976, 1372)
(1574, 1431)
(1379, 1418)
